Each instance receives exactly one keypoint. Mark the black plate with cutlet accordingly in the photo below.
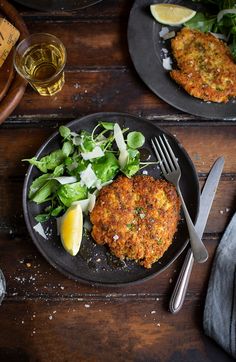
(95, 264)
(147, 50)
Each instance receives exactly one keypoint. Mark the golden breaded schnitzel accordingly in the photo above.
(136, 217)
(207, 70)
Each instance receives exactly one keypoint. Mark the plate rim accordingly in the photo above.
(61, 268)
(205, 114)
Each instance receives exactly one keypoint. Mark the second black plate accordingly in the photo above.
(146, 51)
(94, 263)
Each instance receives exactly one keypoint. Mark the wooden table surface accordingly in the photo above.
(47, 317)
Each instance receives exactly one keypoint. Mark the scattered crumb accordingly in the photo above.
(50, 317)
(158, 325)
(87, 306)
(153, 312)
(170, 280)
(221, 212)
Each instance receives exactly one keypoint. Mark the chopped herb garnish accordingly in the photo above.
(130, 226)
(138, 210)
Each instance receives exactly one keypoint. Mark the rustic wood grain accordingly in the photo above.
(90, 44)
(91, 91)
(104, 10)
(104, 331)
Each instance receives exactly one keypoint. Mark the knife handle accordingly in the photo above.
(179, 292)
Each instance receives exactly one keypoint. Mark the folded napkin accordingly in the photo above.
(219, 319)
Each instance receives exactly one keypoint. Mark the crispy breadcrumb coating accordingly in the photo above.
(136, 217)
(206, 67)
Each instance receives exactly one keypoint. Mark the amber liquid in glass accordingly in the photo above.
(41, 63)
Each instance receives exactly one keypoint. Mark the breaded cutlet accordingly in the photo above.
(136, 217)
(206, 67)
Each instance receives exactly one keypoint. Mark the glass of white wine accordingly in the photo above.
(40, 59)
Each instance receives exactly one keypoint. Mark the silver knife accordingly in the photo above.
(206, 199)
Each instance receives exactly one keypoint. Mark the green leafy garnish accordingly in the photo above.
(84, 162)
(72, 192)
(135, 139)
(106, 167)
(223, 21)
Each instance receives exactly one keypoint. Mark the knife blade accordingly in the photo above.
(206, 200)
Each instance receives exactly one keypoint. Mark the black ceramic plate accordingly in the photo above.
(58, 5)
(94, 264)
(145, 47)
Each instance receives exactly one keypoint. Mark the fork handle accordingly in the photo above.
(179, 292)
(200, 253)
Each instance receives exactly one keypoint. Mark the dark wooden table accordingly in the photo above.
(45, 316)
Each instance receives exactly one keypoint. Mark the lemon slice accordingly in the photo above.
(71, 229)
(170, 14)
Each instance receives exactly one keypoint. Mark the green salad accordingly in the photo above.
(222, 21)
(83, 164)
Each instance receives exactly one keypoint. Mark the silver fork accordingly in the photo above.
(172, 173)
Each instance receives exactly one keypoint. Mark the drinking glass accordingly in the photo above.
(40, 59)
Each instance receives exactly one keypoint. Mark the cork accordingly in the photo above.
(8, 38)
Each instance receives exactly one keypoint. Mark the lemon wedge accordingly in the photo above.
(71, 229)
(170, 14)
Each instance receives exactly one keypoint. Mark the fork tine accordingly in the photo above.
(174, 159)
(172, 167)
(158, 157)
(162, 156)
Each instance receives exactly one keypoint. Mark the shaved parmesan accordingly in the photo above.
(167, 63)
(92, 201)
(87, 225)
(169, 35)
(87, 204)
(164, 31)
(100, 186)
(88, 177)
(84, 204)
(96, 152)
(39, 229)
(123, 158)
(224, 12)
(72, 166)
(219, 36)
(119, 138)
(63, 180)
